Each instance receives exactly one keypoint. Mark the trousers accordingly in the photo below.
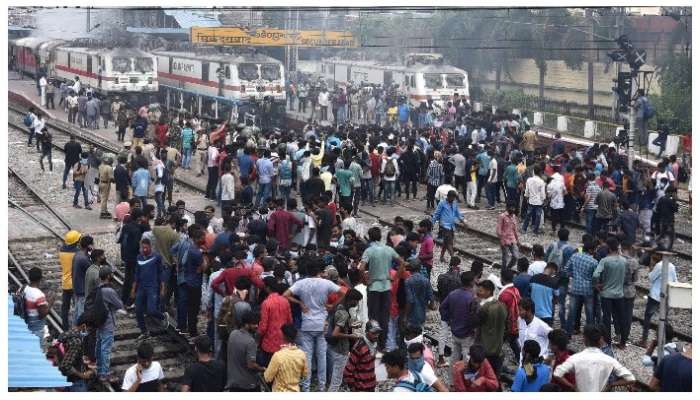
(378, 304)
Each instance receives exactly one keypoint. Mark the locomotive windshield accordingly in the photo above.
(433, 81)
(121, 64)
(144, 64)
(454, 80)
(248, 72)
(270, 72)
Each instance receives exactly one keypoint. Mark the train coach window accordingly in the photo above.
(227, 72)
(433, 81)
(270, 72)
(205, 72)
(144, 64)
(121, 64)
(413, 81)
(454, 80)
(248, 71)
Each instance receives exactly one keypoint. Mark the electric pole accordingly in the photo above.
(591, 113)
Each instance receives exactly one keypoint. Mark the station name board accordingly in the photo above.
(228, 36)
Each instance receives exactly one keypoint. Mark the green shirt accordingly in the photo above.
(356, 170)
(493, 316)
(344, 178)
(510, 176)
(378, 257)
(611, 274)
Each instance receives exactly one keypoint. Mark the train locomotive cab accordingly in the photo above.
(439, 85)
(261, 79)
(129, 71)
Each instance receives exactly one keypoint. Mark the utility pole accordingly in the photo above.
(591, 109)
(87, 26)
(631, 137)
(618, 27)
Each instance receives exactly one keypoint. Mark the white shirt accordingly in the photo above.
(493, 171)
(396, 168)
(535, 191)
(536, 267)
(537, 331)
(555, 191)
(38, 124)
(76, 87)
(159, 169)
(154, 372)
(323, 99)
(212, 155)
(42, 82)
(592, 368)
(227, 187)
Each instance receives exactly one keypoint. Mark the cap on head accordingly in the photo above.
(373, 326)
(72, 237)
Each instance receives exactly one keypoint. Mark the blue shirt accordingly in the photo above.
(418, 294)
(148, 271)
(187, 136)
(460, 310)
(265, 170)
(655, 279)
(333, 141)
(580, 269)
(484, 161)
(194, 260)
(520, 383)
(542, 291)
(140, 180)
(448, 214)
(245, 164)
(522, 283)
(404, 112)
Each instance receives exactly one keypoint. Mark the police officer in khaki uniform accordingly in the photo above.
(106, 176)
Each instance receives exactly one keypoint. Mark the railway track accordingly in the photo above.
(485, 247)
(171, 349)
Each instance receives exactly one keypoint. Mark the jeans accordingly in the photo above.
(561, 303)
(651, 308)
(264, 192)
(341, 115)
(627, 313)
(391, 336)
(143, 200)
(285, 193)
(576, 302)
(41, 160)
(512, 196)
(368, 190)
(378, 304)
(36, 326)
(79, 385)
(314, 343)
(79, 302)
(430, 195)
(103, 350)
(66, 298)
(388, 190)
(411, 183)
(480, 184)
(186, 157)
(147, 305)
(160, 203)
(80, 186)
(533, 213)
(613, 312)
(491, 192)
(444, 337)
(188, 302)
(512, 250)
(212, 179)
(339, 361)
(460, 348)
(590, 221)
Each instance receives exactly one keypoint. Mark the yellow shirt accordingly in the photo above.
(286, 369)
(65, 258)
(316, 159)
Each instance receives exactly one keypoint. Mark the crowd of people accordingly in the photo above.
(286, 286)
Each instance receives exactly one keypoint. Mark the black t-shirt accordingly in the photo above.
(323, 230)
(675, 373)
(205, 377)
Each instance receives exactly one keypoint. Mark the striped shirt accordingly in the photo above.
(435, 173)
(592, 191)
(359, 370)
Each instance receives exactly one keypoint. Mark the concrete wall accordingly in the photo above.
(561, 82)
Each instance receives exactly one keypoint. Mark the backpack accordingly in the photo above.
(226, 322)
(19, 298)
(416, 386)
(390, 168)
(28, 120)
(648, 112)
(95, 304)
(557, 255)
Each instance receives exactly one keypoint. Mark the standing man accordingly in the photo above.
(242, 367)
(507, 232)
(609, 278)
(532, 328)
(146, 288)
(460, 310)
(81, 263)
(448, 215)
(288, 365)
(579, 269)
(105, 333)
(378, 258)
(493, 318)
(72, 151)
(207, 374)
(140, 181)
(65, 257)
(265, 171)
(36, 305)
(535, 192)
(105, 175)
(359, 371)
